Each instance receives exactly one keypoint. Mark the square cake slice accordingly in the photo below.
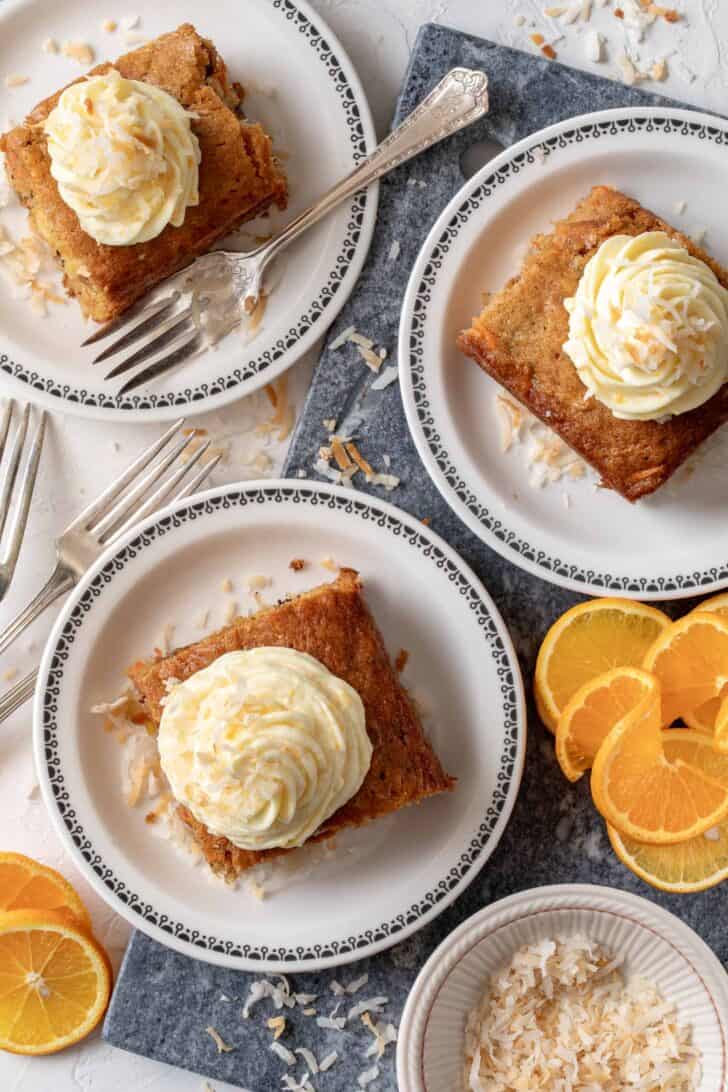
(518, 339)
(238, 177)
(333, 624)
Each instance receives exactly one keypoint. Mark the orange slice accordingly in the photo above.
(645, 795)
(588, 640)
(55, 981)
(699, 862)
(690, 658)
(703, 718)
(27, 884)
(592, 713)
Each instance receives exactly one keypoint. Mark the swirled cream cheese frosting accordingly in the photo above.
(124, 156)
(264, 745)
(648, 327)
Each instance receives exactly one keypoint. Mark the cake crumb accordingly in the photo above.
(537, 39)
(109, 25)
(401, 661)
(658, 71)
(10, 674)
(297, 564)
(549, 51)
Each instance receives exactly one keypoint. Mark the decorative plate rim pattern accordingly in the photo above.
(638, 911)
(534, 149)
(80, 842)
(316, 31)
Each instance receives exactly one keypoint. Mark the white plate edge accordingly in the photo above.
(230, 395)
(405, 380)
(210, 956)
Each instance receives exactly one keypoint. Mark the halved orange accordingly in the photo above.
(690, 658)
(592, 713)
(26, 884)
(645, 795)
(697, 863)
(588, 640)
(703, 718)
(55, 981)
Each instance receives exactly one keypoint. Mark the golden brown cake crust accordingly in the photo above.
(518, 340)
(238, 178)
(332, 623)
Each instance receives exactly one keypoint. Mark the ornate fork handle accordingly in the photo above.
(460, 98)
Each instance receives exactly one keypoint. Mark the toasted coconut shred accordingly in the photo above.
(561, 1016)
(549, 459)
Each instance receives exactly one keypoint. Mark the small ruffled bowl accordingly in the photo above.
(653, 943)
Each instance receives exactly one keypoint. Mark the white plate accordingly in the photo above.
(669, 544)
(302, 86)
(400, 872)
(652, 942)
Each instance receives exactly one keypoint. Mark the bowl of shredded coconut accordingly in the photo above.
(572, 988)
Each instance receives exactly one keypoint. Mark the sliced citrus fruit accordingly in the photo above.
(55, 981)
(720, 733)
(26, 884)
(591, 714)
(699, 862)
(588, 640)
(703, 718)
(645, 795)
(690, 658)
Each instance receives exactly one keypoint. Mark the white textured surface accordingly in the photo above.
(81, 457)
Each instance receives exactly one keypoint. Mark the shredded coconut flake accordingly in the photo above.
(16, 81)
(386, 376)
(560, 1015)
(222, 1046)
(368, 1076)
(371, 1004)
(357, 983)
(78, 51)
(282, 1052)
(328, 1061)
(309, 1059)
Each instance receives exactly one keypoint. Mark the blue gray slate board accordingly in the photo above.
(163, 1001)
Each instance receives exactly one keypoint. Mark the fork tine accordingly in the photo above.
(131, 502)
(163, 492)
(166, 333)
(191, 487)
(137, 310)
(26, 486)
(11, 470)
(148, 321)
(5, 427)
(98, 508)
(173, 359)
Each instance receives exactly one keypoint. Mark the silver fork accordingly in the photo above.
(128, 500)
(16, 490)
(172, 320)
